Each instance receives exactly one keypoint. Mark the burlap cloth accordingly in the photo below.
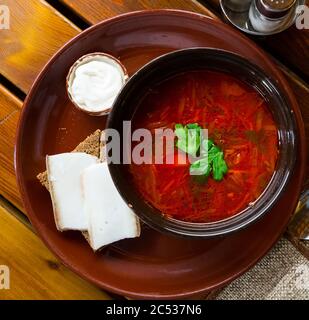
(282, 274)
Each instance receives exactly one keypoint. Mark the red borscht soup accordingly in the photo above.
(238, 122)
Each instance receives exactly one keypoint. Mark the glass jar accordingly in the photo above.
(270, 15)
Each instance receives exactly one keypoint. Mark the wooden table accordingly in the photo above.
(38, 28)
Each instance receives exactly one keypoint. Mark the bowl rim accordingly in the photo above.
(154, 217)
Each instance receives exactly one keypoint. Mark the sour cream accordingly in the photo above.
(94, 82)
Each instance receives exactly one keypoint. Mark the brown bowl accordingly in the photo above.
(155, 265)
(127, 106)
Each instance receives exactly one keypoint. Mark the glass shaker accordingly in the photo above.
(270, 15)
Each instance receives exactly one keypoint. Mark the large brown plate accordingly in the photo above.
(155, 265)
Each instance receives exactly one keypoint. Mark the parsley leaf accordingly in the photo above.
(206, 145)
(211, 156)
(219, 167)
(200, 167)
(189, 138)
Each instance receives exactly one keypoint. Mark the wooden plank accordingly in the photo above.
(8, 103)
(34, 271)
(10, 107)
(290, 47)
(98, 10)
(36, 32)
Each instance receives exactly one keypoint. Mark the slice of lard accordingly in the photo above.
(110, 219)
(64, 173)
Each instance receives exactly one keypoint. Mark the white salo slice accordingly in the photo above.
(64, 174)
(109, 217)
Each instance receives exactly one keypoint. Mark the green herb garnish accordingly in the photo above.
(211, 156)
(200, 167)
(219, 166)
(188, 138)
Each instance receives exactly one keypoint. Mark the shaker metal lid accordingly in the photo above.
(274, 8)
